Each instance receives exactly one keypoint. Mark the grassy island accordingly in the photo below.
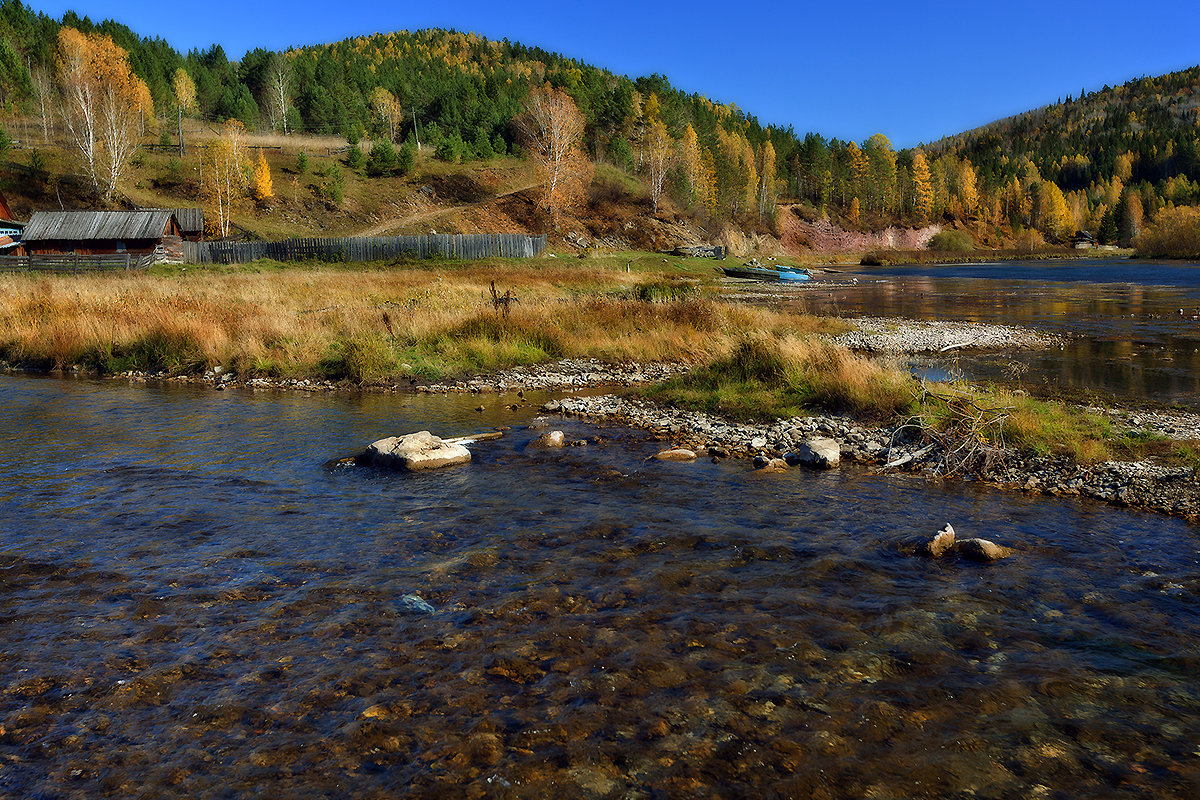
(380, 324)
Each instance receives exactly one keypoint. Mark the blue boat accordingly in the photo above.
(777, 272)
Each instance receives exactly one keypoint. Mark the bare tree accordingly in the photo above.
(80, 96)
(551, 130)
(278, 90)
(660, 152)
(102, 105)
(43, 87)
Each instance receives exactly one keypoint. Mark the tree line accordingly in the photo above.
(1105, 161)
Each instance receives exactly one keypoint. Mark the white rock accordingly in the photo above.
(416, 451)
(819, 452)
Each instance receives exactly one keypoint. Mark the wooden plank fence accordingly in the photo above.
(368, 248)
(75, 262)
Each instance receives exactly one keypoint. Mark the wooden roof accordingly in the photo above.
(5, 211)
(191, 220)
(86, 225)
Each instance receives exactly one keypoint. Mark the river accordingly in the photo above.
(1127, 339)
(194, 605)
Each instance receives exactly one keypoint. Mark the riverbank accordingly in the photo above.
(896, 258)
(1141, 484)
(376, 323)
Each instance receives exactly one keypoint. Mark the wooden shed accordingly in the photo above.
(149, 232)
(191, 222)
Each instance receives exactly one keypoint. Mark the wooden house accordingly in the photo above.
(191, 222)
(6, 214)
(139, 233)
(1083, 240)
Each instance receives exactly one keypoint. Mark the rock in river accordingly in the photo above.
(982, 550)
(551, 439)
(676, 454)
(818, 452)
(941, 543)
(416, 451)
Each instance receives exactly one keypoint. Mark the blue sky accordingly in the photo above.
(912, 71)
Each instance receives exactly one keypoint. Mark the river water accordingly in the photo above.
(193, 605)
(1127, 339)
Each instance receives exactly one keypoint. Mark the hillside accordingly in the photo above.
(1108, 161)
(1142, 131)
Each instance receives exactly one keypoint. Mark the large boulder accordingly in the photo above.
(818, 452)
(416, 451)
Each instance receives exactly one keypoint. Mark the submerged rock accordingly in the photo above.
(982, 550)
(818, 452)
(676, 454)
(941, 543)
(770, 464)
(415, 451)
(414, 602)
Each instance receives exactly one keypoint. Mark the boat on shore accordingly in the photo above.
(776, 272)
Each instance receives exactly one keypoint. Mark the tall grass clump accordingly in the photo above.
(769, 378)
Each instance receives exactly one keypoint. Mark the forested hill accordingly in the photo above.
(1107, 161)
(1144, 131)
(447, 84)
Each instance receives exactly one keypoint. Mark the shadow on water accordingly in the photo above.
(1128, 338)
(193, 606)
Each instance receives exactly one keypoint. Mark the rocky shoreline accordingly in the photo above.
(569, 373)
(1147, 484)
(1144, 484)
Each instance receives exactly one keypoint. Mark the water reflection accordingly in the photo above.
(193, 606)
(1128, 338)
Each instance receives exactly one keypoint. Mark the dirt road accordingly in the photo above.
(382, 226)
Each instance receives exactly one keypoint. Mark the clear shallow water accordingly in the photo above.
(192, 605)
(1127, 338)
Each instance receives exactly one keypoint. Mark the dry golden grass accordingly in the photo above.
(365, 324)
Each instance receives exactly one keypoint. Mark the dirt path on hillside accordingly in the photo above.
(422, 216)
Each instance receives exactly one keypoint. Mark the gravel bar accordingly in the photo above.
(1146, 485)
(888, 335)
